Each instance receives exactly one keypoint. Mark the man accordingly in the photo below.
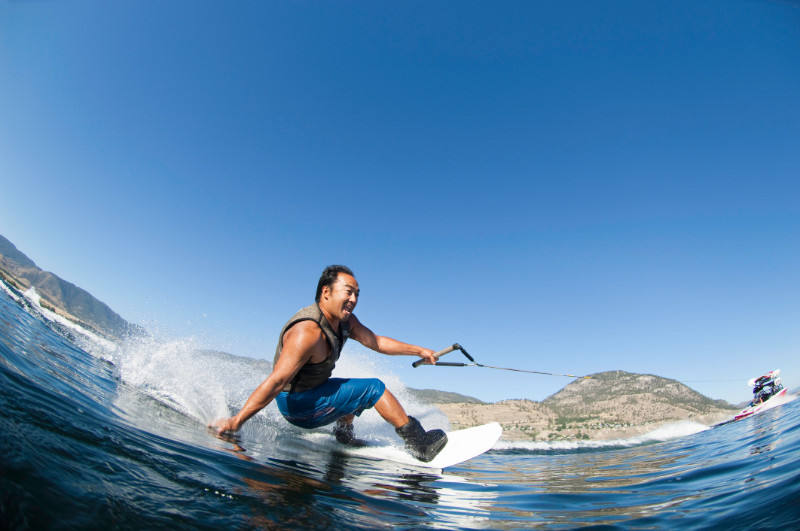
(301, 383)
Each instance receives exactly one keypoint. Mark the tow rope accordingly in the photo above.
(456, 346)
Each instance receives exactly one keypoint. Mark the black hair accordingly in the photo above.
(329, 276)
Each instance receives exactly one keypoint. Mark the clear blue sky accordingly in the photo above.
(559, 186)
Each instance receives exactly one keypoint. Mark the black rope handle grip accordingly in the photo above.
(437, 355)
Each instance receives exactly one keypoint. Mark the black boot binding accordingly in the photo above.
(421, 444)
(345, 434)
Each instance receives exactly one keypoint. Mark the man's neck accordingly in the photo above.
(329, 317)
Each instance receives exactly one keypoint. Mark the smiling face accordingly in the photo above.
(339, 300)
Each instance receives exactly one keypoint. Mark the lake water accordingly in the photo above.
(99, 436)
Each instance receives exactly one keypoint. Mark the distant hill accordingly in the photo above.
(60, 296)
(614, 404)
(433, 396)
(623, 397)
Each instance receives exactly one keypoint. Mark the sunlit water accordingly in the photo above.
(98, 436)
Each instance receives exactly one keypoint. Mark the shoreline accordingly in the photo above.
(524, 420)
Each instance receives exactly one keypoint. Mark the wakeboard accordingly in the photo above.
(462, 445)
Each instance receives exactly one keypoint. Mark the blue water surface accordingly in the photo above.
(87, 443)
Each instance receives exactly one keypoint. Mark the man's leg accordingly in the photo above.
(347, 419)
(424, 445)
(387, 407)
(390, 409)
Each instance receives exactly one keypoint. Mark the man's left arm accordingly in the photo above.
(386, 345)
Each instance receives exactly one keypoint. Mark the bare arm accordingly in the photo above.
(301, 343)
(386, 345)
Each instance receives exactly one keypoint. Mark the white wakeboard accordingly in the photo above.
(461, 446)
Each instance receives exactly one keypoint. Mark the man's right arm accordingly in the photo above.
(299, 344)
(261, 397)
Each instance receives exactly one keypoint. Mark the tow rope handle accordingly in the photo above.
(437, 355)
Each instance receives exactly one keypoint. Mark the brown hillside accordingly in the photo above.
(608, 405)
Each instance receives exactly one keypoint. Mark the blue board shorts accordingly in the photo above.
(328, 402)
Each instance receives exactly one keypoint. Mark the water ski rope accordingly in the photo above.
(456, 346)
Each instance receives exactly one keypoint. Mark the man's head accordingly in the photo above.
(337, 291)
(329, 276)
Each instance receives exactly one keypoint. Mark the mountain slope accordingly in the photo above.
(442, 397)
(619, 397)
(61, 296)
(608, 405)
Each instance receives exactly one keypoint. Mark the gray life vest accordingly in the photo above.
(311, 375)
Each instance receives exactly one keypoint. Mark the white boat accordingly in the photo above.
(767, 393)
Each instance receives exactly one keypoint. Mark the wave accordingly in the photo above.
(30, 300)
